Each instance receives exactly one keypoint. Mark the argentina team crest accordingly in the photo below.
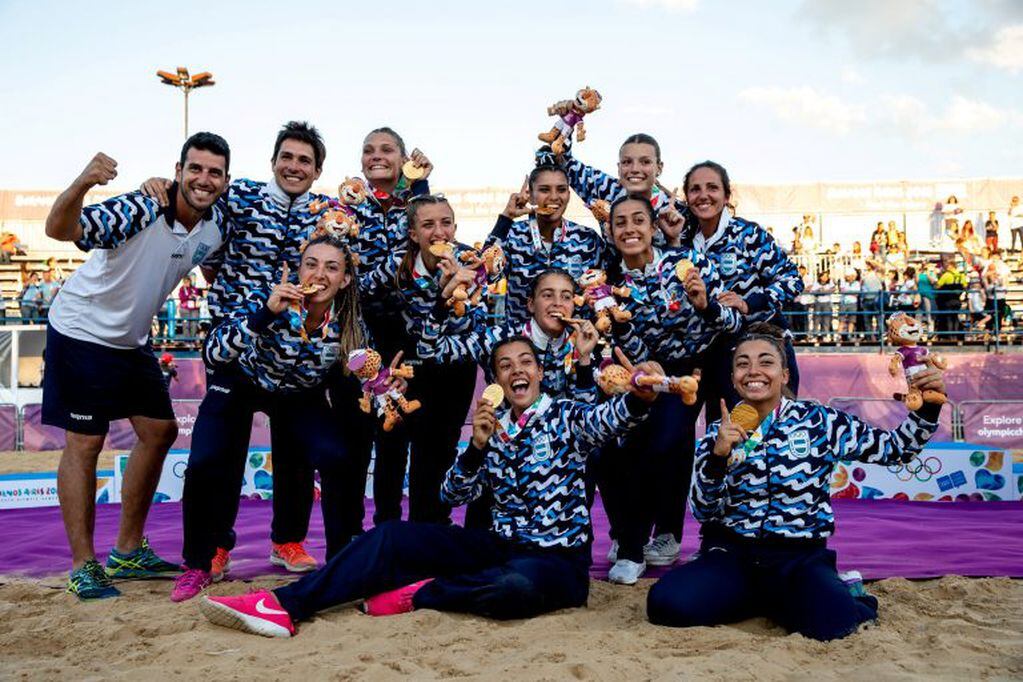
(329, 354)
(200, 253)
(541, 448)
(799, 443)
(729, 263)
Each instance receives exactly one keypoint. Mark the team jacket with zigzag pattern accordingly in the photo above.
(782, 488)
(752, 264)
(382, 232)
(665, 326)
(267, 229)
(418, 299)
(592, 185)
(538, 479)
(272, 354)
(575, 248)
(477, 343)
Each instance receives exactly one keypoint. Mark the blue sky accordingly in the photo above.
(777, 91)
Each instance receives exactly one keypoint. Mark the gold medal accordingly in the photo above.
(411, 171)
(493, 394)
(682, 268)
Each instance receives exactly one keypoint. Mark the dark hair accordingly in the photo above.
(346, 301)
(642, 138)
(549, 272)
(726, 182)
(632, 196)
(303, 132)
(387, 130)
(765, 331)
(910, 272)
(208, 142)
(518, 338)
(411, 212)
(545, 162)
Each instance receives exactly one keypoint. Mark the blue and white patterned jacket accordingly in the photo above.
(419, 299)
(267, 229)
(382, 232)
(538, 478)
(575, 249)
(477, 343)
(273, 354)
(665, 326)
(782, 487)
(750, 263)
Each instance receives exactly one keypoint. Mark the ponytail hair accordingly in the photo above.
(545, 161)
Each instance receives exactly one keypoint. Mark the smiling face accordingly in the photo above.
(552, 302)
(638, 167)
(518, 373)
(631, 229)
(202, 179)
(381, 159)
(758, 372)
(294, 167)
(550, 191)
(434, 223)
(705, 194)
(323, 264)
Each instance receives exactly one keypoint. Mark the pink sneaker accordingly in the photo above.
(190, 583)
(393, 602)
(258, 613)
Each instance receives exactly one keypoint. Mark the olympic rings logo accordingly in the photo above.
(922, 470)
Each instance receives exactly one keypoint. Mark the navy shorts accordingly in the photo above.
(87, 385)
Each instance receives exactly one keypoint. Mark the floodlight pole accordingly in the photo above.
(187, 83)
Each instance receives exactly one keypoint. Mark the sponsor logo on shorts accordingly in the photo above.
(80, 417)
(221, 389)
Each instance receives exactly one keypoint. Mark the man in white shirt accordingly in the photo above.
(99, 364)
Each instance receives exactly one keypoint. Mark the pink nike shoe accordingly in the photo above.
(393, 602)
(258, 613)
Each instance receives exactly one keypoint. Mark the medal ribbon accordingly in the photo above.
(538, 243)
(758, 435)
(510, 430)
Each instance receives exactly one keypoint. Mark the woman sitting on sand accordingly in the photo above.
(761, 493)
(533, 559)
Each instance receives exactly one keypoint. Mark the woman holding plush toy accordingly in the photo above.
(545, 239)
(671, 296)
(427, 273)
(762, 495)
(275, 361)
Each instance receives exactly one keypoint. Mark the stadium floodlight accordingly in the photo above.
(187, 83)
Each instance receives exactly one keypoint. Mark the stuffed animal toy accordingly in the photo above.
(614, 379)
(488, 265)
(570, 113)
(904, 333)
(377, 389)
(600, 296)
(352, 191)
(601, 210)
(339, 223)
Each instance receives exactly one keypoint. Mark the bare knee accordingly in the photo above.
(158, 434)
(82, 448)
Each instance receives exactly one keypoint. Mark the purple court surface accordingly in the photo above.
(879, 538)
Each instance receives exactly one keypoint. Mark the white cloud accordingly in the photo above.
(1005, 51)
(909, 116)
(853, 77)
(670, 5)
(806, 106)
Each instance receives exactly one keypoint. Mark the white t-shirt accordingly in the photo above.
(139, 254)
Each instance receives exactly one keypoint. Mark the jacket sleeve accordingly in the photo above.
(596, 425)
(437, 342)
(230, 338)
(378, 281)
(780, 282)
(854, 439)
(110, 223)
(589, 183)
(463, 482)
(708, 495)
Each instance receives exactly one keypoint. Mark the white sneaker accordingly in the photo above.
(612, 554)
(663, 550)
(626, 572)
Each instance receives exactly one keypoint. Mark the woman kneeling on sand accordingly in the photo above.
(761, 493)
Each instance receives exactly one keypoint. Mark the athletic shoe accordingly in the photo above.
(292, 556)
(91, 582)
(220, 565)
(626, 572)
(190, 583)
(663, 550)
(612, 554)
(140, 564)
(393, 602)
(258, 613)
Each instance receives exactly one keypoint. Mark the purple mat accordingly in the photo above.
(880, 538)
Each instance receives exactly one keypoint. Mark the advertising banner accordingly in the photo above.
(997, 424)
